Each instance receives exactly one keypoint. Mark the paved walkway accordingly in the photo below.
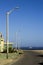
(30, 58)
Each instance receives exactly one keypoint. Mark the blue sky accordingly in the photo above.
(27, 21)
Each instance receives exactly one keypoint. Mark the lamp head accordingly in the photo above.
(12, 10)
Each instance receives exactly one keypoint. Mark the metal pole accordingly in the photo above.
(7, 31)
(16, 41)
(7, 28)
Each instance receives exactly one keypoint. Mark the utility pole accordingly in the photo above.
(16, 41)
(7, 33)
(7, 28)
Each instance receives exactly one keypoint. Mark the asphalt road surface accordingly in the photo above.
(30, 58)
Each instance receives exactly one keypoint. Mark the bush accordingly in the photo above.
(20, 51)
(15, 50)
(10, 50)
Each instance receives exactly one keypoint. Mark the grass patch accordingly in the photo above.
(11, 57)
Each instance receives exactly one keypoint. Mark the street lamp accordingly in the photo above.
(16, 40)
(7, 27)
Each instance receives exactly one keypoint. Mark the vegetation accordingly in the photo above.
(12, 50)
(12, 56)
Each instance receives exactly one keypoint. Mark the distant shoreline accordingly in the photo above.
(31, 48)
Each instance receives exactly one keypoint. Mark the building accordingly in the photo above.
(1, 42)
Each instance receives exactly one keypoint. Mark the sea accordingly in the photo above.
(31, 48)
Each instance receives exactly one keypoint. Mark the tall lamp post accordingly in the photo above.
(7, 28)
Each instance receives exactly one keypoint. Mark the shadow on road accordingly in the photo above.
(40, 55)
(40, 63)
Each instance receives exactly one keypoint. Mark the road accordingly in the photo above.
(30, 58)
